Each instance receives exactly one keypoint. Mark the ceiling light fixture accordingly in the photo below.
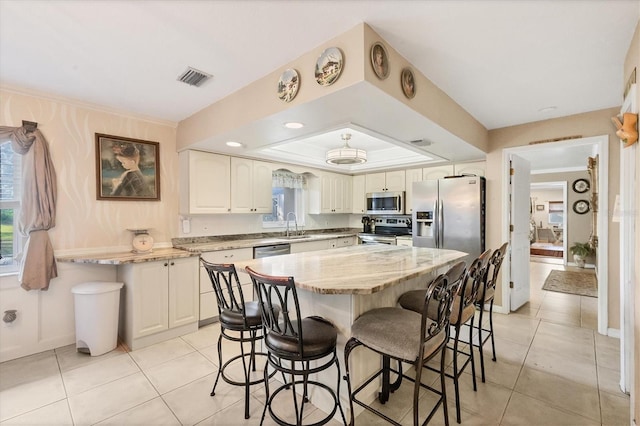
(293, 125)
(234, 144)
(346, 154)
(548, 109)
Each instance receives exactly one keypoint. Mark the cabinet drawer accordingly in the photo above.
(228, 256)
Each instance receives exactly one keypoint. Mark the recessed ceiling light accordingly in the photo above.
(234, 144)
(548, 109)
(293, 125)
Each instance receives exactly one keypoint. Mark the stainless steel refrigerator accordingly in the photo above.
(450, 214)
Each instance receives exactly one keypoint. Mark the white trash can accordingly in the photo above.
(97, 308)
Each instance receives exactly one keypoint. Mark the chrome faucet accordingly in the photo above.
(295, 219)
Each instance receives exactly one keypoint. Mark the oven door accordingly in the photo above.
(377, 239)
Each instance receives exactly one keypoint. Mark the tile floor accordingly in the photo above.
(552, 369)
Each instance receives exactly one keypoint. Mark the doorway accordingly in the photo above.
(537, 157)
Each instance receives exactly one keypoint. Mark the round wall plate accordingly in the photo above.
(581, 206)
(581, 186)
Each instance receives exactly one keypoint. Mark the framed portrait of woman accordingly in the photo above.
(380, 60)
(127, 169)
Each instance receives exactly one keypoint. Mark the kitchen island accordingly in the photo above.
(341, 284)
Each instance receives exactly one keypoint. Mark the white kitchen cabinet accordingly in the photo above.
(342, 242)
(160, 300)
(476, 168)
(328, 193)
(251, 190)
(208, 302)
(358, 195)
(405, 241)
(385, 181)
(204, 183)
(301, 247)
(437, 172)
(411, 175)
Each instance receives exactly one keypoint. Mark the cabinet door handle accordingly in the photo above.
(173, 263)
(228, 256)
(166, 264)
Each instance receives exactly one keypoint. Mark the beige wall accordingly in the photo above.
(595, 123)
(82, 221)
(257, 101)
(632, 62)
(46, 318)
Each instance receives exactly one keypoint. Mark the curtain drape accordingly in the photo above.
(287, 179)
(38, 206)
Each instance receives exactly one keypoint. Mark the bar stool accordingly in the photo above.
(405, 336)
(297, 341)
(462, 312)
(485, 296)
(236, 317)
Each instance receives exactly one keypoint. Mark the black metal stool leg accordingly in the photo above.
(213, 391)
(493, 342)
(473, 363)
(349, 346)
(455, 373)
(480, 342)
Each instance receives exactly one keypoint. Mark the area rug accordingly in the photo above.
(572, 282)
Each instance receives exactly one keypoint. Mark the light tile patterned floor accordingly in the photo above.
(552, 369)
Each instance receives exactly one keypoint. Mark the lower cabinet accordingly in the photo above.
(208, 302)
(342, 242)
(160, 300)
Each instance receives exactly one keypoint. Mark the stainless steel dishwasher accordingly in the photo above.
(273, 250)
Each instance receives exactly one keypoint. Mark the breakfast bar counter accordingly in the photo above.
(342, 284)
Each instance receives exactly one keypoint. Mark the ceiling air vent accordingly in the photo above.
(421, 142)
(194, 77)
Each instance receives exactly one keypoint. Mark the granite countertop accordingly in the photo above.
(229, 242)
(120, 258)
(360, 269)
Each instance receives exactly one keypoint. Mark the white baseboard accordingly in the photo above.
(613, 332)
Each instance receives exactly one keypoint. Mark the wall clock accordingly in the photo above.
(581, 185)
(581, 206)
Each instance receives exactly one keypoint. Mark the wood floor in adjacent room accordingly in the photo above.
(553, 368)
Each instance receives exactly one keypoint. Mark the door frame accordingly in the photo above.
(601, 147)
(565, 196)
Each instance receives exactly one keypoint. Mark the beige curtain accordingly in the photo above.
(38, 206)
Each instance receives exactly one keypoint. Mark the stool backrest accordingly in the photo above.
(437, 309)
(470, 284)
(226, 286)
(278, 299)
(495, 262)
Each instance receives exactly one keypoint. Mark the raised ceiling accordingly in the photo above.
(505, 62)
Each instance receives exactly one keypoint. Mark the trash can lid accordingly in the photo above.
(96, 287)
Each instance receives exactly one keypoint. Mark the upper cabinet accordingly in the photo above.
(389, 181)
(358, 205)
(476, 168)
(411, 175)
(204, 183)
(251, 186)
(437, 172)
(330, 193)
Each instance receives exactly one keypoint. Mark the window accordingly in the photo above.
(10, 179)
(556, 212)
(287, 197)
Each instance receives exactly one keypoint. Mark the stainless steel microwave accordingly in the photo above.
(385, 202)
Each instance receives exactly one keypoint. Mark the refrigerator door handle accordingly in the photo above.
(436, 223)
(441, 224)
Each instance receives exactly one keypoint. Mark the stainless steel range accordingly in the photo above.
(386, 229)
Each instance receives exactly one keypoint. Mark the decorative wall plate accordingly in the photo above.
(329, 66)
(581, 206)
(408, 83)
(581, 185)
(288, 85)
(380, 60)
